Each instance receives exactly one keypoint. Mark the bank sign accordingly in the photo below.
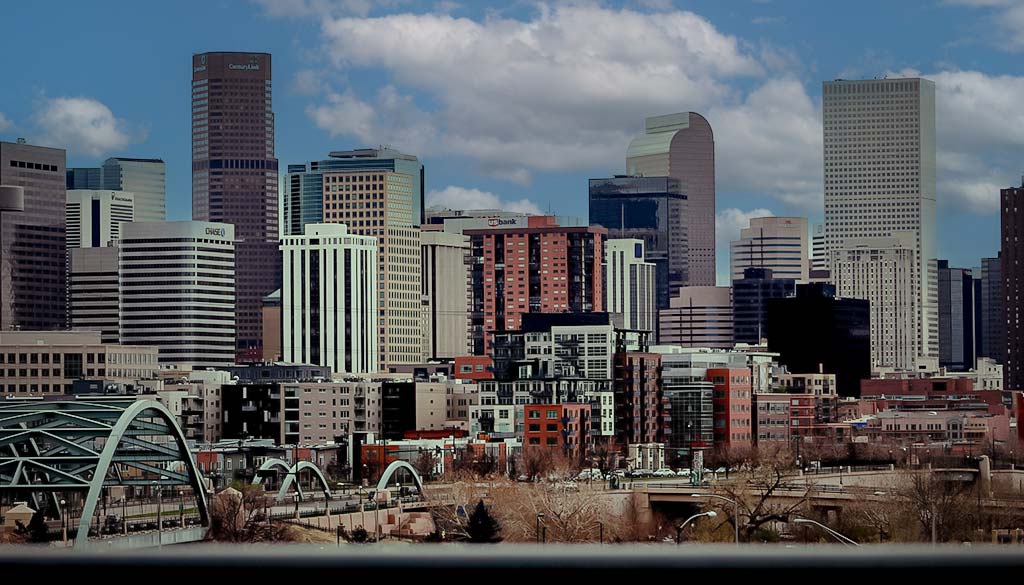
(460, 224)
(219, 232)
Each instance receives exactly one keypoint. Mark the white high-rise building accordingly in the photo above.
(445, 288)
(778, 243)
(879, 155)
(94, 217)
(329, 299)
(146, 178)
(177, 290)
(819, 257)
(629, 284)
(883, 271)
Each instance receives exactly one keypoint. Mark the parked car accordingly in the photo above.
(569, 486)
(590, 475)
(664, 472)
(683, 472)
(641, 473)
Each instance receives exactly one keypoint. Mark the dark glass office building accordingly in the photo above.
(652, 209)
(750, 296)
(1012, 272)
(956, 318)
(814, 330)
(992, 315)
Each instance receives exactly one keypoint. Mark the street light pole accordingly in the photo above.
(64, 521)
(540, 516)
(735, 512)
(841, 538)
(679, 530)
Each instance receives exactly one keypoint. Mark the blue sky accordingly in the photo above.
(519, 103)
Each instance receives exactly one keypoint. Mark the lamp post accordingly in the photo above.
(841, 538)
(600, 526)
(735, 511)
(159, 511)
(124, 512)
(681, 527)
(181, 509)
(540, 517)
(64, 520)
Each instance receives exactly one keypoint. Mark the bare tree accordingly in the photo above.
(765, 497)
(945, 510)
(425, 464)
(239, 515)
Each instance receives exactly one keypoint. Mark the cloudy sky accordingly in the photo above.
(516, 104)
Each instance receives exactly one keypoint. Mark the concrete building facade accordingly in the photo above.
(329, 299)
(700, 316)
(176, 282)
(777, 243)
(629, 285)
(94, 217)
(445, 290)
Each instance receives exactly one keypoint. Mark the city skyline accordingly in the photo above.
(324, 84)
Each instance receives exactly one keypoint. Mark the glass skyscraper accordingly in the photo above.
(652, 209)
(146, 178)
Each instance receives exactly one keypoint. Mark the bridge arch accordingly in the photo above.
(393, 468)
(290, 474)
(87, 445)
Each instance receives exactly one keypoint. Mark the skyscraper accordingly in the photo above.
(682, 146)
(819, 255)
(304, 199)
(879, 142)
(629, 284)
(1012, 270)
(883, 271)
(177, 290)
(93, 298)
(652, 209)
(956, 317)
(776, 243)
(234, 175)
(445, 288)
(750, 296)
(375, 192)
(329, 299)
(94, 217)
(992, 313)
(542, 268)
(84, 178)
(146, 178)
(33, 257)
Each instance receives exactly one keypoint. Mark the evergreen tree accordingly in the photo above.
(483, 528)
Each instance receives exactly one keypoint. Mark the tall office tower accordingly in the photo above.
(177, 290)
(234, 176)
(375, 192)
(33, 257)
(84, 178)
(776, 243)
(445, 289)
(819, 256)
(652, 209)
(146, 178)
(94, 218)
(1011, 254)
(329, 299)
(699, 316)
(814, 331)
(992, 314)
(93, 298)
(542, 268)
(682, 146)
(880, 179)
(305, 201)
(956, 318)
(750, 296)
(629, 285)
(883, 272)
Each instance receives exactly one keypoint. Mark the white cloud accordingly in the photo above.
(728, 223)
(83, 125)
(1002, 22)
(978, 152)
(5, 123)
(454, 197)
(566, 89)
(771, 141)
(308, 82)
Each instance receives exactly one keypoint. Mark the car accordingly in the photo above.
(641, 473)
(683, 472)
(664, 472)
(569, 486)
(523, 477)
(618, 473)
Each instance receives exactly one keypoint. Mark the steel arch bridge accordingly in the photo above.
(85, 446)
(291, 472)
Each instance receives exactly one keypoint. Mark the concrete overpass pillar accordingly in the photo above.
(985, 475)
